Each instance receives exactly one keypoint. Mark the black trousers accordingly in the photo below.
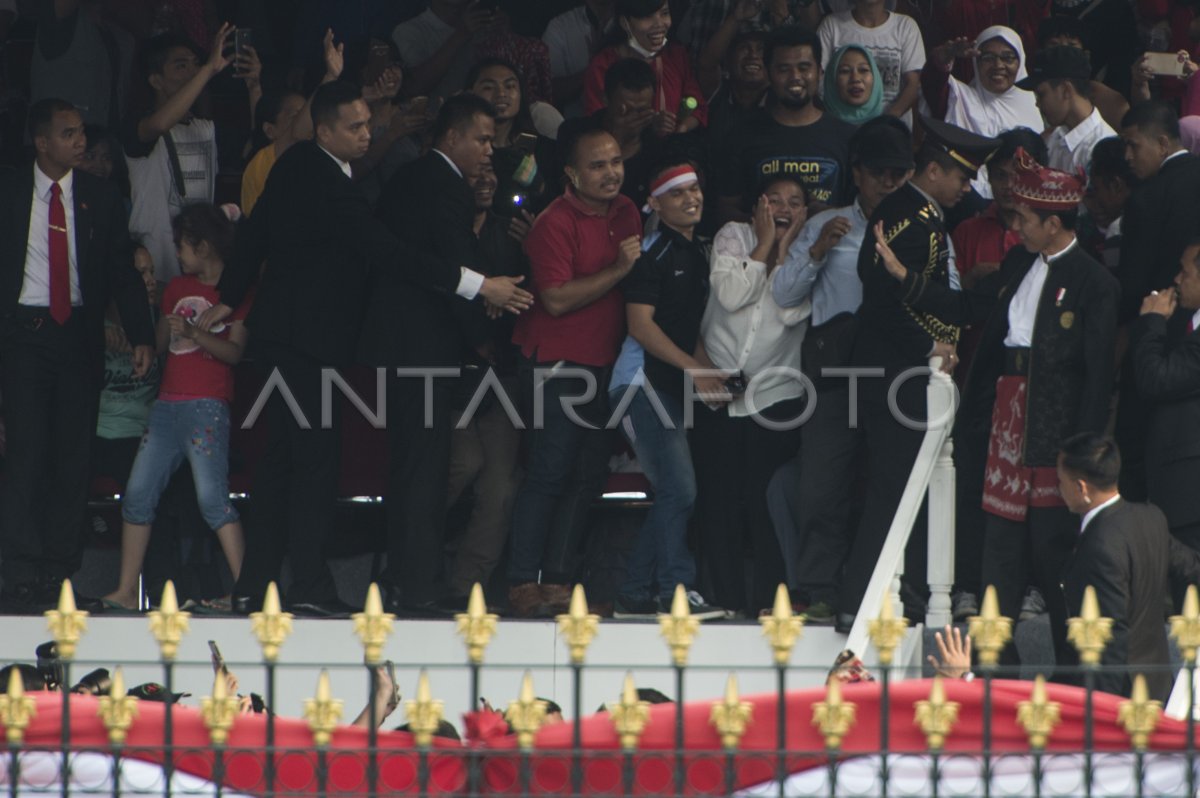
(295, 485)
(891, 449)
(50, 394)
(419, 467)
(734, 459)
(1035, 551)
(829, 457)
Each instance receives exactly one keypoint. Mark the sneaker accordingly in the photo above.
(700, 609)
(963, 605)
(820, 613)
(630, 608)
(1033, 605)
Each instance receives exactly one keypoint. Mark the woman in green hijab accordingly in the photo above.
(853, 85)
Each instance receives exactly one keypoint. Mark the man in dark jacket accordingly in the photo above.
(1166, 360)
(1124, 552)
(1043, 372)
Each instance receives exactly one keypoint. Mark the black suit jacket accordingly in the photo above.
(430, 206)
(1071, 363)
(1166, 361)
(1127, 555)
(314, 230)
(899, 321)
(103, 256)
(1162, 215)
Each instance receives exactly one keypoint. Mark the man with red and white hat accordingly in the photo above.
(1043, 372)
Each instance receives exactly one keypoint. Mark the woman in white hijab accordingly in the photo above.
(991, 103)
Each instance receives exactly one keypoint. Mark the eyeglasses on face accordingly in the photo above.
(1008, 58)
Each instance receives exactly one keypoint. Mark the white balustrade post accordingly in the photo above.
(942, 398)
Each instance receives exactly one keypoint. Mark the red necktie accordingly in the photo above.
(60, 261)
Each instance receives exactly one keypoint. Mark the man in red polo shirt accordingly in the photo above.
(579, 249)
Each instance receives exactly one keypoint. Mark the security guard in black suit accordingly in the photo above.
(911, 311)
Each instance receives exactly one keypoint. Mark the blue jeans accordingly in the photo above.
(660, 553)
(197, 429)
(566, 469)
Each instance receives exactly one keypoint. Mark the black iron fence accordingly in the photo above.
(866, 732)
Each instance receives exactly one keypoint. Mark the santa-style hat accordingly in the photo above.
(1044, 188)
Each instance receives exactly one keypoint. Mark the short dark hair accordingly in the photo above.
(42, 112)
(31, 679)
(1024, 138)
(1153, 116)
(631, 74)
(928, 154)
(267, 110)
(155, 51)
(328, 100)
(574, 131)
(1060, 27)
(1068, 219)
(788, 37)
(638, 8)
(205, 223)
(551, 706)
(782, 177)
(652, 696)
(1082, 87)
(445, 730)
(458, 113)
(1093, 457)
(1108, 161)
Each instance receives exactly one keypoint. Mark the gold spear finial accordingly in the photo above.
(220, 710)
(679, 627)
(731, 715)
(578, 626)
(1185, 628)
(17, 710)
(1139, 715)
(936, 716)
(117, 710)
(272, 625)
(168, 623)
(373, 626)
(476, 625)
(67, 623)
(1038, 716)
(424, 713)
(323, 711)
(1089, 631)
(629, 715)
(989, 630)
(833, 716)
(781, 628)
(525, 715)
(886, 631)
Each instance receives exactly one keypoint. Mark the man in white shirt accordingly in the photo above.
(1123, 551)
(52, 309)
(1061, 80)
(437, 47)
(573, 37)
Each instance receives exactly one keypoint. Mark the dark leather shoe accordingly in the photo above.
(331, 608)
(21, 599)
(50, 591)
(843, 623)
(429, 610)
(244, 605)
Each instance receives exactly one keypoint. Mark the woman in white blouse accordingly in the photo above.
(737, 447)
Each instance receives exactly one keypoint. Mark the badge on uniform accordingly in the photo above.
(1067, 320)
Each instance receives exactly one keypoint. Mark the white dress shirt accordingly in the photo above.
(469, 282)
(35, 291)
(1090, 514)
(744, 329)
(1071, 149)
(1022, 311)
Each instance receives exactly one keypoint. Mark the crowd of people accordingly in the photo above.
(730, 228)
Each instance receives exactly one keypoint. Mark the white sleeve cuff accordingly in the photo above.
(469, 283)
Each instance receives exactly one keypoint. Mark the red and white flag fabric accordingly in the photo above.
(240, 768)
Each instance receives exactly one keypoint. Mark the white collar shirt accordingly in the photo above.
(1090, 514)
(35, 290)
(1022, 311)
(1071, 149)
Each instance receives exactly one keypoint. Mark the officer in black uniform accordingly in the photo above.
(903, 322)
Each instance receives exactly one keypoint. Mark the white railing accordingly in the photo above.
(933, 472)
